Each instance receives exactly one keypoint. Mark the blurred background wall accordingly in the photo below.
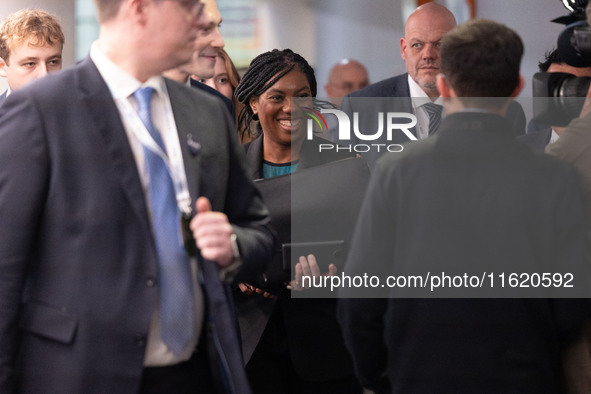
(323, 31)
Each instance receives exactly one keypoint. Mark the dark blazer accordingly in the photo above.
(470, 198)
(310, 155)
(537, 139)
(3, 97)
(391, 87)
(313, 335)
(227, 102)
(78, 268)
(398, 87)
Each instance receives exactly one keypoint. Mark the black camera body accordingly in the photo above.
(574, 42)
(564, 91)
(558, 97)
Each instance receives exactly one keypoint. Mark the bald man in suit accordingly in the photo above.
(420, 49)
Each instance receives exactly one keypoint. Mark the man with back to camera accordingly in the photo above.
(420, 49)
(31, 44)
(469, 199)
(202, 63)
(98, 164)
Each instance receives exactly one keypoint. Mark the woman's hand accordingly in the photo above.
(308, 267)
(251, 290)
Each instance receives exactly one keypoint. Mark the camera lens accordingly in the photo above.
(559, 97)
(574, 86)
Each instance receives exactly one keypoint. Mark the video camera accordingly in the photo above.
(566, 90)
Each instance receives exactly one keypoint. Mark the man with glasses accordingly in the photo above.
(102, 290)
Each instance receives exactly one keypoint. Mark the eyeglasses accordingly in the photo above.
(193, 7)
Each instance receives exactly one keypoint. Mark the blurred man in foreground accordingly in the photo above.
(107, 173)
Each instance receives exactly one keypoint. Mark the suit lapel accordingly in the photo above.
(403, 87)
(188, 136)
(222, 337)
(254, 158)
(403, 90)
(105, 120)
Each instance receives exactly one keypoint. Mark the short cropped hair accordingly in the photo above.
(107, 9)
(35, 26)
(481, 58)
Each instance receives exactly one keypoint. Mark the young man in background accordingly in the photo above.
(31, 44)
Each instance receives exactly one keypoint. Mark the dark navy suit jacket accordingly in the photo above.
(537, 139)
(313, 334)
(227, 102)
(78, 265)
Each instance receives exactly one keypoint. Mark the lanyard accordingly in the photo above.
(175, 166)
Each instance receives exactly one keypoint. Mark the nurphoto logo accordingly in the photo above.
(388, 122)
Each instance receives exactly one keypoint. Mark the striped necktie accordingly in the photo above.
(434, 112)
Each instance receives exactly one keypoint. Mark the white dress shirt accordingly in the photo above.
(122, 86)
(419, 97)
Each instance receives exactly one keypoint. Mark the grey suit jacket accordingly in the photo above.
(78, 269)
(574, 147)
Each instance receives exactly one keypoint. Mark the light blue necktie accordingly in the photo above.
(176, 296)
(434, 112)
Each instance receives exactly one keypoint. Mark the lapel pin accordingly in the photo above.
(194, 146)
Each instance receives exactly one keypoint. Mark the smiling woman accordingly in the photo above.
(284, 356)
(273, 108)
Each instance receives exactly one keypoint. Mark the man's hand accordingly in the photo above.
(212, 232)
(308, 267)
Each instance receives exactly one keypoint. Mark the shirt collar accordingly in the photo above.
(553, 137)
(120, 83)
(418, 94)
